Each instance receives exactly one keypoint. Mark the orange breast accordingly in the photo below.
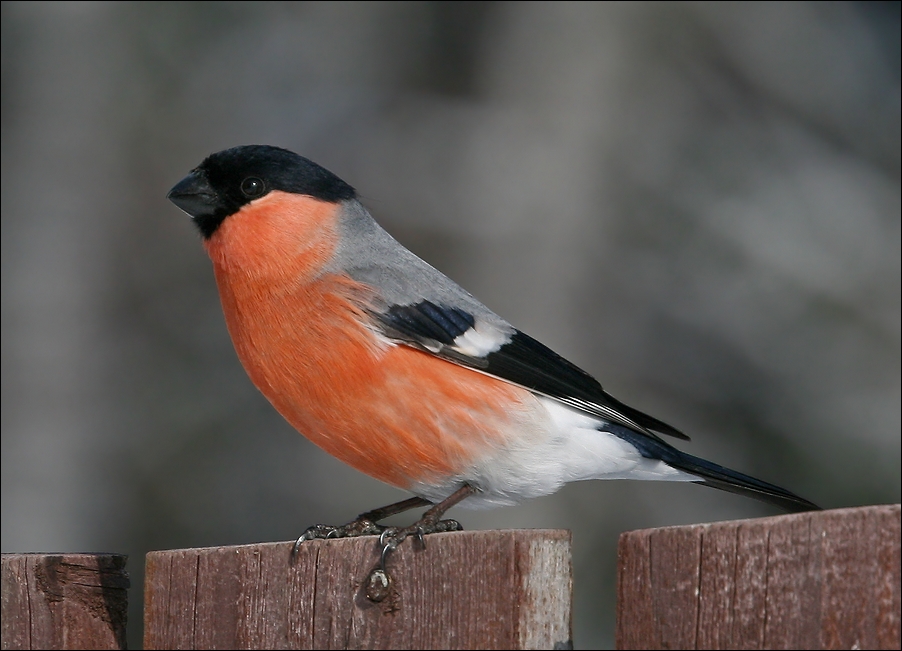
(392, 412)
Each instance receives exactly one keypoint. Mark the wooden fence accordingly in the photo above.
(467, 590)
(824, 580)
(64, 601)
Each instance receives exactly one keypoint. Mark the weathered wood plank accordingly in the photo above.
(64, 601)
(480, 589)
(825, 580)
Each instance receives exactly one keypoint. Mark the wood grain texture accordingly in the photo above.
(64, 601)
(466, 590)
(822, 580)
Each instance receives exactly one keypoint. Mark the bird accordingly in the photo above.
(387, 364)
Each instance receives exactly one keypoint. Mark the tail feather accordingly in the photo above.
(712, 474)
(724, 479)
(649, 422)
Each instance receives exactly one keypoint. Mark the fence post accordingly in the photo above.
(465, 590)
(824, 580)
(64, 601)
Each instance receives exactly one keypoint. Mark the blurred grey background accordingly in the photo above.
(697, 203)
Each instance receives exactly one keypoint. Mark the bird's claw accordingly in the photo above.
(379, 580)
(392, 537)
(358, 527)
(387, 537)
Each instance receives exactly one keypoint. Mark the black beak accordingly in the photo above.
(194, 195)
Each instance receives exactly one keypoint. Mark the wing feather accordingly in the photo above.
(516, 357)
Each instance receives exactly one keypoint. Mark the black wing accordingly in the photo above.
(519, 359)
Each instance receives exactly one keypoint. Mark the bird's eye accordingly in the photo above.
(252, 186)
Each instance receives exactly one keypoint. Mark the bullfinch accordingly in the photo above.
(387, 364)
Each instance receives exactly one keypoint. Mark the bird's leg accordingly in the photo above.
(364, 525)
(431, 522)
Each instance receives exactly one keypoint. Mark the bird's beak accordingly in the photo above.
(194, 195)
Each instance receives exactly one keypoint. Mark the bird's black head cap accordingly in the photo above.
(229, 179)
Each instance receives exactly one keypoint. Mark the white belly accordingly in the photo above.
(558, 444)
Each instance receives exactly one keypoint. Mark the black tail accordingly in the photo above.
(712, 474)
(725, 479)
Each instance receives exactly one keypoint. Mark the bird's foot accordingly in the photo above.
(391, 537)
(431, 522)
(364, 525)
(379, 581)
(360, 527)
